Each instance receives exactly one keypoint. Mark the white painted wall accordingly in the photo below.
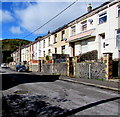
(109, 28)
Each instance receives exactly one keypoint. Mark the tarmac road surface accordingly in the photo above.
(66, 97)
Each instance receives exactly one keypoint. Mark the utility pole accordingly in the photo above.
(1, 59)
(20, 52)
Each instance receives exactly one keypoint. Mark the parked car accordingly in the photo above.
(20, 68)
(4, 65)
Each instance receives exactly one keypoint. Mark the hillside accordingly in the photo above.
(10, 45)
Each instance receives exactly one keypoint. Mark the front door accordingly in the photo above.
(73, 49)
(115, 68)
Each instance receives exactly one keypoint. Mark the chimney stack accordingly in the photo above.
(89, 7)
(48, 32)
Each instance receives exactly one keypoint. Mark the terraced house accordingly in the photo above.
(97, 30)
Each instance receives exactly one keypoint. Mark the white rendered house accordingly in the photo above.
(96, 30)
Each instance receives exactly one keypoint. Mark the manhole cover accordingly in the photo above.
(21, 92)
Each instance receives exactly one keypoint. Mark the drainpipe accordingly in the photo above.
(89, 71)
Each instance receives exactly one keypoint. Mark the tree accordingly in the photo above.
(47, 58)
(9, 59)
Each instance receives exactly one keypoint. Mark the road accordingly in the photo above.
(70, 98)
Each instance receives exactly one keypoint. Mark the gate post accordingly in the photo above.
(74, 65)
(68, 66)
(107, 59)
(30, 65)
(71, 62)
(39, 65)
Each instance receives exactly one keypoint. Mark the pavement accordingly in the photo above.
(111, 84)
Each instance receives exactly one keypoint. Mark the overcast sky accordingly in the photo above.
(21, 18)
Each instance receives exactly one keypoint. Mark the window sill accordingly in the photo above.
(63, 40)
(102, 23)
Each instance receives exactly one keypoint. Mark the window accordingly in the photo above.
(119, 11)
(118, 38)
(102, 36)
(49, 51)
(102, 18)
(55, 38)
(104, 45)
(49, 41)
(84, 46)
(84, 25)
(63, 49)
(63, 35)
(43, 43)
(39, 52)
(44, 53)
(84, 43)
(73, 30)
(55, 50)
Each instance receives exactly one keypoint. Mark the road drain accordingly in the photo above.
(21, 92)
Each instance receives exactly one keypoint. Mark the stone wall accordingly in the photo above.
(47, 68)
(95, 70)
(13, 67)
(35, 68)
(60, 68)
(81, 70)
(56, 68)
(119, 69)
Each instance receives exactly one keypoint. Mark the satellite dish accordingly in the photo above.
(90, 20)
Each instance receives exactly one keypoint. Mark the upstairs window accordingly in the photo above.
(102, 36)
(119, 11)
(104, 45)
(73, 30)
(44, 53)
(49, 41)
(49, 51)
(43, 43)
(63, 49)
(102, 18)
(63, 35)
(84, 25)
(39, 52)
(55, 38)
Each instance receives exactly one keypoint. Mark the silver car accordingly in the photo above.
(4, 65)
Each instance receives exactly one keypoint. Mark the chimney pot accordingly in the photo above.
(48, 32)
(89, 7)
